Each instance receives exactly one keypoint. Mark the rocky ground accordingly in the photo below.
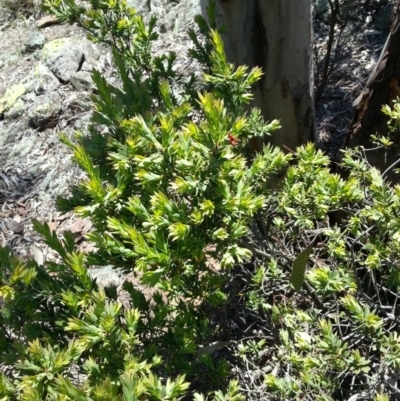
(45, 89)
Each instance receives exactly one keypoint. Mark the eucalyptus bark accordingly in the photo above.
(382, 87)
(276, 35)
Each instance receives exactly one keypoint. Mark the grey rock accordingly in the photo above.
(63, 57)
(82, 124)
(174, 17)
(80, 103)
(11, 95)
(29, 97)
(183, 16)
(106, 276)
(29, 85)
(90, 51)
(35, 41)
(59, 176)
(141, 6)
(8, 59)
(45, 111)
(23, 147)
(51, 181)
(66, 56)
(88, 67)
(11, 133)
(37, 55)
(44, 80)
(16, 110)
(82, 81)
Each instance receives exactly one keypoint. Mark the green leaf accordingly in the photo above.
(299, 267)
(199, 397)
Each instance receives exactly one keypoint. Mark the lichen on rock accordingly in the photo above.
(12, 94)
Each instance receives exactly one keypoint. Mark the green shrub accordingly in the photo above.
(221, 234)
(64, 339)
(340, 336)
(169, 189)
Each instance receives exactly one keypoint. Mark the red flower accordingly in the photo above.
(234, 141)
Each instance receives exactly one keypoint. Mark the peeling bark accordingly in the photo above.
(276, 36)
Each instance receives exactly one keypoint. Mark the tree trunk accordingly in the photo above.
(382, 87)
(277, 36)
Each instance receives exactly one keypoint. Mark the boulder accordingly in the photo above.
(35, 42)
(44, 80)
(45, 111)
(16, 110)
(66, 56)
(10, 97)
(63, 57)
(82, 81)
(141, 6)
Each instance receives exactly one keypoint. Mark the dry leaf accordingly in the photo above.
(52, 226)
(76, 226)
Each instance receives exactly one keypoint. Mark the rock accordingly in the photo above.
(63, 57)
(8, 59)
(35, 41)
(12, 94)
(105, 61)
(175, 17)
(66, 56)
(23, 147)
(106, 276)
(88, 67)
(29, 97)
(16, 110)
(82, 81)
(141, 6)
(46, 21)
(82, 124)
(79, 103)
(89, 50)
(29, 84)
(37, 56)
(11, 133)
(45, 111)
(44, 80)
(78, 111)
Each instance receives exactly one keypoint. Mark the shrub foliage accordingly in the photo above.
(266, 268)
